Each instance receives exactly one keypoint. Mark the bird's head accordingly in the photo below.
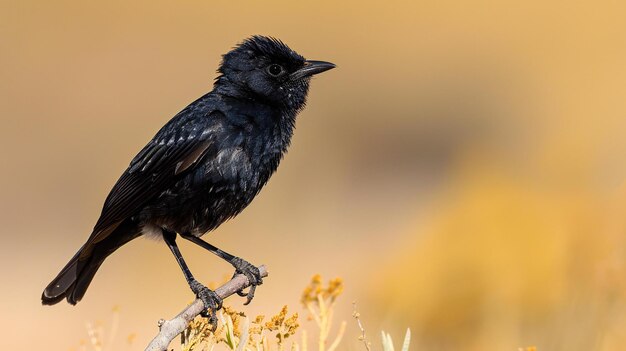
(266, 69)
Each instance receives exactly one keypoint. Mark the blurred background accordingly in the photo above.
(463, 169)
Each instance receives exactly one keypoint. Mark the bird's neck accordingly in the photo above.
(224, 86)
(279, 126)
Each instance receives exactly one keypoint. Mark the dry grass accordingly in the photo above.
(282, 331)
(102, 338)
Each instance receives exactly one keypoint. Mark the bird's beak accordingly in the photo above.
(310, 68)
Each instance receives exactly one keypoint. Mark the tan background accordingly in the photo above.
(462, 169)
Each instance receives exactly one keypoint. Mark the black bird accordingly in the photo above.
(203, 167)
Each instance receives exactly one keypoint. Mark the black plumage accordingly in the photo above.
(204, 166)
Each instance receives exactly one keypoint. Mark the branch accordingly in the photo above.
(168, 330)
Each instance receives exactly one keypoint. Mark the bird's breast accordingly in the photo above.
(218, 189)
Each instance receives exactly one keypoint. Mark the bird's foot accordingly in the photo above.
(212, 302)
(251, 272)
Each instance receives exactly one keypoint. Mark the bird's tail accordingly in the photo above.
(74, 279)
(76, 273)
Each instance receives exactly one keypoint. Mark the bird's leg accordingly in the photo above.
(241, 266)
(211, 301)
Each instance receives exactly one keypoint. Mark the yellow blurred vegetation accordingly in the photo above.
(510, 261)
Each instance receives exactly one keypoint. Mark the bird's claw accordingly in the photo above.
(251, 272)
(212, 302)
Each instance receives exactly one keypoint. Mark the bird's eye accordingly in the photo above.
(275, 70)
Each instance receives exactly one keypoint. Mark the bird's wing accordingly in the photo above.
(175, 148)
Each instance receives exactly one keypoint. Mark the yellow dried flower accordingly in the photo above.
(236, 317)
(291, 324)
(316, 289)
(277, 320)
(255, 329)
(335, 288)
(312, 290)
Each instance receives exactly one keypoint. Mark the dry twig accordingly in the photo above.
(362, 337)
(168, 330)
